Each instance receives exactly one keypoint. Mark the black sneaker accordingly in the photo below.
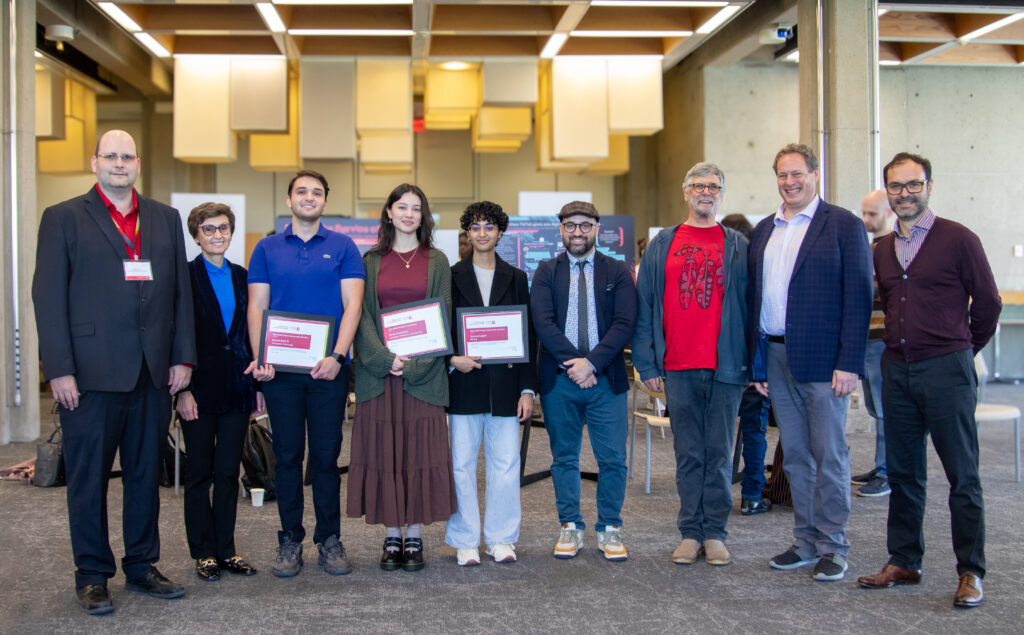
(289, 559)
(878, 486)
(862, 479)
(332, 557)
(791, 559)
(830, 567)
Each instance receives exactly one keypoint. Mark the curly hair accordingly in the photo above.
(486, 211)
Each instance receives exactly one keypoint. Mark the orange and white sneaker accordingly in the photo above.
(609, 541)
(570, 541)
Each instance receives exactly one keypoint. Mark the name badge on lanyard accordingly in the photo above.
(138, 270)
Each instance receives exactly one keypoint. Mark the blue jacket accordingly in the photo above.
(828, 309)
(615, 297)
(649, 339)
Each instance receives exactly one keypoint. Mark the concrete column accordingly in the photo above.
(839, 94)
(19, 347)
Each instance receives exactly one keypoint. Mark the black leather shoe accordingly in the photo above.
(207, 569)
(155, 585)
(413, 551)
(392, 559)
(95, 599)
(751, 506)
(235, 564)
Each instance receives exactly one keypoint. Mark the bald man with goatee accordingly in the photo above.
(113, 306)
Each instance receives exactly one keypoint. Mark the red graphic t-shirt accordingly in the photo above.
(693, 298)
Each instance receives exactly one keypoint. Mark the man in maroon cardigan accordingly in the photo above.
(941, 307)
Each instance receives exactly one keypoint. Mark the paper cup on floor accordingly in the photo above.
(257, 496)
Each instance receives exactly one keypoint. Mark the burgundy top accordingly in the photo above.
(945, 301)
(398, 285)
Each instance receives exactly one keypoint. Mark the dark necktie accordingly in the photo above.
(581, 307)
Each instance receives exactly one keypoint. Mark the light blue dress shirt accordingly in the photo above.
(779, 259)
(572, 314)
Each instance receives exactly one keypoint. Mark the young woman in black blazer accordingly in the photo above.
(216, 406)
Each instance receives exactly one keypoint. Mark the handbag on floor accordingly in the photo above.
(258, 461)
(777, 489)
(49, 469)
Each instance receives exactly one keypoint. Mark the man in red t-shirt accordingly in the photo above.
(691, 317)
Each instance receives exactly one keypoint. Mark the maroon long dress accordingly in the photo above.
(400, 472)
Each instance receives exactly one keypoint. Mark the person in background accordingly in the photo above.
(465, 249)
(216, 406)
(488, 401)
(400, 473)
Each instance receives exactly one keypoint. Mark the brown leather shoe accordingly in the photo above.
(890, 576)
(968, 594)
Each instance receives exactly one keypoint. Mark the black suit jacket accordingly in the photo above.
(495, 388)
(219, 383)
(615, 299)
(94, 324)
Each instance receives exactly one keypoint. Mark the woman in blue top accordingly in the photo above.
(216, 406)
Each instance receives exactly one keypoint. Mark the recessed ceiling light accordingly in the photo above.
(454, 66)
(150, 43)
(270, 17)
(351, 32)
(718, 19)
(554, 45)
(631, 33)
(119, 16)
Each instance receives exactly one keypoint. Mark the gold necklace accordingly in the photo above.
(409, 261)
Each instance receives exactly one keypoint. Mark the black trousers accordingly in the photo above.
(937, 397)
(133, 423)
(296, 402)
(214, 447)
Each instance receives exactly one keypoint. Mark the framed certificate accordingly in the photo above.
(497, 334)
(295, 342)
(417, 329)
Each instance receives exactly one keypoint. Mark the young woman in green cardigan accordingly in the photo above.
(400, 473)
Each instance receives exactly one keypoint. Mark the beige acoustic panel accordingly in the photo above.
(441, 121)
(375, 186)
(202, 110)
(68, 155)
(49, 104)
(387, 168)
(509, 83)
(444, 165)
(492, 147)
(545, 160)
(279, 152)
(451, 92)
(618, 158)
(393, 148)
(634, 96)
(579, 109)
(327, 104)
(383, 96)
(503, 124)
(259, 93)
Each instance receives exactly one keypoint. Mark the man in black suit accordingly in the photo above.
(113, 306)
(584, 309)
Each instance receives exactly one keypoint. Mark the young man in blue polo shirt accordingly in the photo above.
(307, 269)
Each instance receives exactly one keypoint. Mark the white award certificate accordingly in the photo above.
(496, 334)
(417, 329)
(294, 342)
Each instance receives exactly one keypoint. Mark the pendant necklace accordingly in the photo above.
(409, 261)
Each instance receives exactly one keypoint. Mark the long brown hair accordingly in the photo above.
(386, 233)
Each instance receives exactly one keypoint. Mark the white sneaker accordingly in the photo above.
(468, 557)
(502, 553)
(570, 541)
(610, 542)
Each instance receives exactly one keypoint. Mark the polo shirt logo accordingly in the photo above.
(327, 256)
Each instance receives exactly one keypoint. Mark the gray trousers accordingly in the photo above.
(812, 429)
(702, 412)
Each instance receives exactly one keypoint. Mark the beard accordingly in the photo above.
(582, 250)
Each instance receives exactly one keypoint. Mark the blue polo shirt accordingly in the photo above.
(305, 277)
(220, 280)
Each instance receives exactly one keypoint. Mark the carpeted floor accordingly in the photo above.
(537, 594)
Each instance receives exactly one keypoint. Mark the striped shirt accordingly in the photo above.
(907, 248)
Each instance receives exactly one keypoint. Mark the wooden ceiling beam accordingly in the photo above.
(453, 18)
(902, 25)
(638, 19)
(350, 17)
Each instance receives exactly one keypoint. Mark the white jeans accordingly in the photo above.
(501, 453)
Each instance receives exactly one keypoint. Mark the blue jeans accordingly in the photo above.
(702, 412)
(754, 409)
(295, 402)
(566, 408)
(872, 386)
(501, 452)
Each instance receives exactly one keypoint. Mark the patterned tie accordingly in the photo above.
(583, 322)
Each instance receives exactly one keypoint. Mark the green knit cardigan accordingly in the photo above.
(426, 379)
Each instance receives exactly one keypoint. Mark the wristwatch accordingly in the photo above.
(338, 357)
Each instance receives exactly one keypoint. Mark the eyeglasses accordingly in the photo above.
(914, 187)
(482, 228)
(210, 230)
(583, 227)
(699, 188)
(114, 156)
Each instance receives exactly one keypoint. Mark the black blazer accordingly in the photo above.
(219, 383)
(615, 297)
(94, 324)
(495, 388)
